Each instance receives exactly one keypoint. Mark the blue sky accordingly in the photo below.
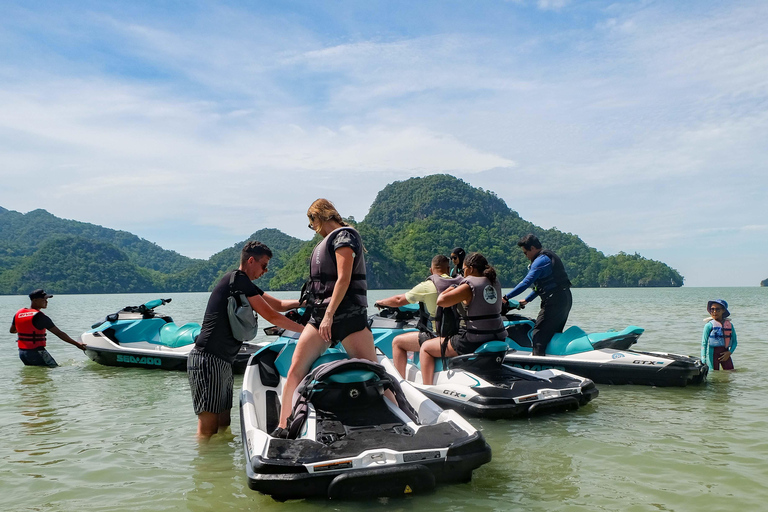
(639, 126)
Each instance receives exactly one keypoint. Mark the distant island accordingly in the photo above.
(764, 282)
(409, 222)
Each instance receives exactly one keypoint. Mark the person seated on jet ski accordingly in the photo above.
(549, 280)
(337, 281)
(425, 293)
(479, 295)
(457, 257)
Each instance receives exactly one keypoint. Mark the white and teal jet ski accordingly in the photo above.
(481, 384)
(347, 440)
(140, 337)
(604, 357)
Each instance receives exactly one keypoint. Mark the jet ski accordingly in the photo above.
(140, 337)
(347, 439)
(481, 384)
(604, 357)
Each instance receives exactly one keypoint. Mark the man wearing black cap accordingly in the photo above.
(31, 324)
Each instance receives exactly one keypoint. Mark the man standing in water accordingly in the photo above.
(550, 282)
(31, 325)
(209, 366)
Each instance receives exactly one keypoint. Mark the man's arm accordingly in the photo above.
(392, 302)
(538, 268)
(280, 304)
(65, 337)
(13, 326)
(263, 308)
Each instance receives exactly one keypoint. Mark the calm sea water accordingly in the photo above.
(85, 437)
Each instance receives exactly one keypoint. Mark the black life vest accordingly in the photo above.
(557, 280)
(323, 273)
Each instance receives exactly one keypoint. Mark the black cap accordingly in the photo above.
(39, 294)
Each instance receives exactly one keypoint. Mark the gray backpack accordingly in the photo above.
(242, 317)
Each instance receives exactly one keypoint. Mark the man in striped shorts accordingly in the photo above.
(209, 366)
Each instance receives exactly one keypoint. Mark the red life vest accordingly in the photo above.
(29, 336)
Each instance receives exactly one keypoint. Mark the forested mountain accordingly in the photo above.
(411, 221)
(408, 223)
(22, 234)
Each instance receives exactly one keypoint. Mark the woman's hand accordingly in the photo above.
(725, 356)
(325, 327)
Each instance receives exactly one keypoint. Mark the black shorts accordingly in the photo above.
(210, 380)
(344, 323)
(425, 335)
(462, 346)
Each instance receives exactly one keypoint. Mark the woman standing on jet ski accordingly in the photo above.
(480, 294)
(338, 291)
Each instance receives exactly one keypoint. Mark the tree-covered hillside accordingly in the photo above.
(411, 221)
(408, 223)
(22, 234)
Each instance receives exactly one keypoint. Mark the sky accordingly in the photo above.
(640, 126)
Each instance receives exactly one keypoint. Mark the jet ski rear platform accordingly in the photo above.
(352, 442)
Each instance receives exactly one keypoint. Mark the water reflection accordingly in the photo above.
(36, 391)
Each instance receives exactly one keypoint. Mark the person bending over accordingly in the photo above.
(209, 366)
(549, 280)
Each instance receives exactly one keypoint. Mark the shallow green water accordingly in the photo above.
(85, 437)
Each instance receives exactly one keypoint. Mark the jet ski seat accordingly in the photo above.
(572, 341)
(283, 361)
(174, 336)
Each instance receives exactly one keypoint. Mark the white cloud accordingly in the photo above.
(552, 5)
(618, 127)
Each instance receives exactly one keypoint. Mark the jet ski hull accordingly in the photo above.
(479, 384)
(360, 447)
(609, 366)
(111, 354)
(140, 337)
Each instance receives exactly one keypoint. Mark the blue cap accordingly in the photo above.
(722, 303)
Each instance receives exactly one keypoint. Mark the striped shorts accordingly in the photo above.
(211, 381)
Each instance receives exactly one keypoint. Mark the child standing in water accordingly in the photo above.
(719, 339)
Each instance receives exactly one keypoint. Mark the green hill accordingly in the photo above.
(71, 264)
(409, 222)
(22, 234)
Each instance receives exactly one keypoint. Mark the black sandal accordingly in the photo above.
(280, 433)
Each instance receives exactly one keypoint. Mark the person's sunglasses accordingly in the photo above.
(311, 221)
(716, 309)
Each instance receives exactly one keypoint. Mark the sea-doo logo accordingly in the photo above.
(152, 361)
(490, 295)
(354, 393)
(617, 355)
